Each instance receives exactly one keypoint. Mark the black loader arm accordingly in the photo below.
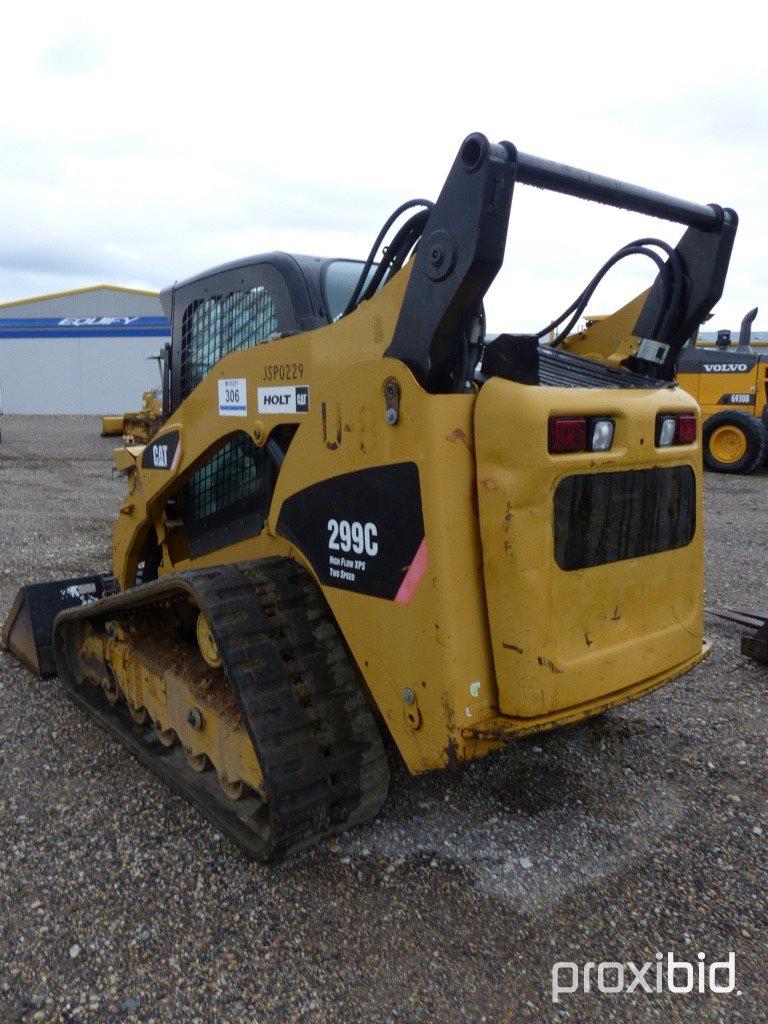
(462, 249)
(460, 253)
(704, 253)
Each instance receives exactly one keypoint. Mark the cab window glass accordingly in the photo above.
(341, 276)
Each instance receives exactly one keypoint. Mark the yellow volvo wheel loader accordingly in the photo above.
(361, 518)
(731, 387)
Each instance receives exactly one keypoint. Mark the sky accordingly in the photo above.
(142, 143)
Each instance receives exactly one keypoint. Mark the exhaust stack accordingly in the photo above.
(745, 331)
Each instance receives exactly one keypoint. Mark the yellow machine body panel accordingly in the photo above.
(690, 382)
(743, 386)
(565, 637)
(609, 339)
(451, 683)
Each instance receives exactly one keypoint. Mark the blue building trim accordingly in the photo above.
(107, 332)
(85, 326)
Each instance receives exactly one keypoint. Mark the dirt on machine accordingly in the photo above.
(364, 520)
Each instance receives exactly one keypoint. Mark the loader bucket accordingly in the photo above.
(28, 631)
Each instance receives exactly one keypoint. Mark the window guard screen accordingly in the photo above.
(233, 473)
(214, 327)
(228, 497)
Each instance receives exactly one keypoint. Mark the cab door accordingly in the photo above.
(227, 498)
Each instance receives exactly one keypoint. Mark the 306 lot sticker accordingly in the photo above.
(291, 399)
(233, 397)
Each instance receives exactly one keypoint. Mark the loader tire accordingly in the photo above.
(734, 442)
(316, 741)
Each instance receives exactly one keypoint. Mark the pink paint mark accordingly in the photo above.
(413, 577)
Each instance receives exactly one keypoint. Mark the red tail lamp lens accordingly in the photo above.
(686, 429)
(567, 434)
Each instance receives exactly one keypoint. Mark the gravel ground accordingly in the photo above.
(641, 831)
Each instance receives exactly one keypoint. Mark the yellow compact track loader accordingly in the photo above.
(361, 517)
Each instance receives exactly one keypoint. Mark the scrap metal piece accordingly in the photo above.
(753, 644)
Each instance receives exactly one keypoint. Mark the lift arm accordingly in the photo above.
(463, 244)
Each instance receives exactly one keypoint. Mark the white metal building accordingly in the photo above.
(83, 351)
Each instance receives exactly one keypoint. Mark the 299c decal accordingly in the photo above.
(350, 538)
(359, 538)
(361, 531)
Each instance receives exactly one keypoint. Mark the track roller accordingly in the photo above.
(241, 670)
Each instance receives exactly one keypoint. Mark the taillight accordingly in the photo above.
(580, 434)
(686, 429)
(674, 429)
(567, 434)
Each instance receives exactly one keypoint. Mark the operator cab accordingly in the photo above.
(248, 302)
(235, 306)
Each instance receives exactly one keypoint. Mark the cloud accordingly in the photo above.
(49, 260)
(76, 54)
(145, 148)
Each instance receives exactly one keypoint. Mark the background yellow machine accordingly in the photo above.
(360, 519)
(730, 385)
(136, 426)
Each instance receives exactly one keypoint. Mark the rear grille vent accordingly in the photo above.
(565, 370)
(608, 517)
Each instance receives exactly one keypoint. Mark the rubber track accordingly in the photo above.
(315, 737)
